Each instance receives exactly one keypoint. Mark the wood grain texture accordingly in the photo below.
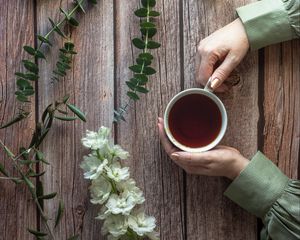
(281, 106)
(90, 84)
(17, 211)
(160, 179)
(210, 215)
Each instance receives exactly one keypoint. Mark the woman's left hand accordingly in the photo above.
(220, 161)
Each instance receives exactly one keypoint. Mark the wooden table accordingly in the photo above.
(263, 107)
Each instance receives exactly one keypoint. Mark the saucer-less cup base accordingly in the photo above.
(221, 107)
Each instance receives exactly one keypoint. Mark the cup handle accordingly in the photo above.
(208, 86)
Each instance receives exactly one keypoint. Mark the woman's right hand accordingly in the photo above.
(226, 47)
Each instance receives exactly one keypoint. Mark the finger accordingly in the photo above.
(160, 120)
(168, 146)
(224, 70)
(194, 159)
(205, 67)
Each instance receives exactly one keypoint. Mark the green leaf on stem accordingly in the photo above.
(149, 70)
(147, 25)
(65, 98)
(150, 3)
(72, 21)
(23, 84)
(65, 118)
(44, 40)
(29, 50)
(79, 3)
(136, 68)
(56, 28)
(22, 98)
(146, 56)
(48, 196)
(31, 66)
(131, 85)
(77, 112)
(142, 61)
(28, 76)
(139, 43)
(150, 31)
(37, 233)
(142, 12)
(141, 89)
(28, 182)
(154, 14)
(153, 44)
(133, 95)
(16, 119)
(142, 78)
(59, 214)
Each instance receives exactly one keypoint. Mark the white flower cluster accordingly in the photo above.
(113, 188)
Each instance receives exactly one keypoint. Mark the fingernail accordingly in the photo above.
(215, 83)
(175, 155)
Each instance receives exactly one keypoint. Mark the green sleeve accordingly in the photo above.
(270, 21)
(263, 190)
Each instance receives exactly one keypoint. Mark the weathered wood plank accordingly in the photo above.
(281, 106)
(17, 211)
(161, 180)
(90, 84)
(209, 214)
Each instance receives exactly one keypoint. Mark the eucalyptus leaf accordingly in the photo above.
(154, 14)
(67, 118)
(136, 68)
(142, 61)
(93, 1)
(59, 214)
(149, 70)
(139, 43)
(37, 233)
(146, 56)
(16, 119)
(131, 85)
(29, 50)
(150, 3)
(56, 28)
(133, 95)
(142, 78)
(153, 44)
(28, 92)
(3, 171)
(141, 89)
(147, 25)
(23, 84)
(39, 54)
(80, 5)
(22, 98)
(142, 12)
(65, 98)
(77, 112)
(28, 182)
(28, 76)
(69, 45)
(149, 31)
(44, 40)
(31, 66)
(37, 174)
(73, 22)
(48, 196)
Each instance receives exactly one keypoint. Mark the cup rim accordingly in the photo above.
(218, 103)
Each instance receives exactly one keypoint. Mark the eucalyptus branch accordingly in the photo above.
(142, 68)
(27, 158)
(25, 80)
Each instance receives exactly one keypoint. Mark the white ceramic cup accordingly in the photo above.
(207, 91)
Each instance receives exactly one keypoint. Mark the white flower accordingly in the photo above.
(116, 225)
(96, 140)
(93, 166)
(130, 186)
(100, 190)
(121, 204)
(117, 173)
(119, 152)
(141, 224)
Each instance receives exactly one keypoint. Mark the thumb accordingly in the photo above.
(224, 70)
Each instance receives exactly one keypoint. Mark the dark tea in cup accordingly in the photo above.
(195, 120)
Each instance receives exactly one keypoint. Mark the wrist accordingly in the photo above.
(238, 165)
